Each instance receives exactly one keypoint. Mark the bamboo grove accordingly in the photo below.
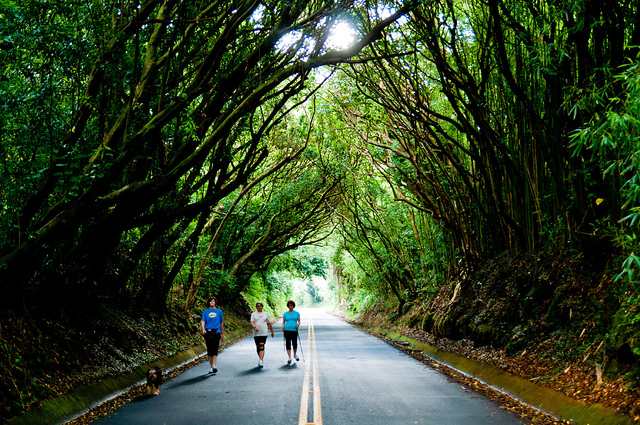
(155, 144)
(511, 125)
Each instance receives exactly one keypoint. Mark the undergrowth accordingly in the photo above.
(51, 351)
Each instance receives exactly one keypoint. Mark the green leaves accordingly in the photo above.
(119, 116)
(613, 139)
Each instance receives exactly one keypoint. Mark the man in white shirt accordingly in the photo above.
(261, 323)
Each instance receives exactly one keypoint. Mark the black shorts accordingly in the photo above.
(260, 342)
(212, 339)
(291, 338)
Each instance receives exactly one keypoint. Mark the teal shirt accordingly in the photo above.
(290, 320)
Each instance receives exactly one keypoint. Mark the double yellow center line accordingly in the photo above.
(310, 384)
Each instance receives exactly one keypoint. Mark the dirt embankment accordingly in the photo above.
(52, 351)
(549, 318)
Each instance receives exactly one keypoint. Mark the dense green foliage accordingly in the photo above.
(511, 124)
(150, 157)
(129, 130)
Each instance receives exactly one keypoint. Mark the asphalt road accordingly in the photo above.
(344, 376)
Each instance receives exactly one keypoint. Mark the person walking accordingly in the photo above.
(261, 324)
(212, 325)
(290, 325)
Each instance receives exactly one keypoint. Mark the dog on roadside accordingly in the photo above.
(154, 379)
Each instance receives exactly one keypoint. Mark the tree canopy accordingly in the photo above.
(157, 152)
(127, 124)
(158, 146)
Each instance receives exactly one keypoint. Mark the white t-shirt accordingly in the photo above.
(260, 320)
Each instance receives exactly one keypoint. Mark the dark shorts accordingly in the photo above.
(260, 342)
(212, 339)
(291, 338)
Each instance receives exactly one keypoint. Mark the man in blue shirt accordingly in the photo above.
(212, 324)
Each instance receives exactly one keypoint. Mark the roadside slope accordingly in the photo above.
(547, 317)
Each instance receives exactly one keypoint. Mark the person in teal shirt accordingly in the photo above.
(290, 325)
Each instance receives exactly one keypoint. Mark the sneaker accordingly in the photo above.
(289, 361)
(296, 357)
(260, 364)
(214, 369)
(210, 370)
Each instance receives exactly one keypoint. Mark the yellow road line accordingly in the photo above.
(317, 407)
(304, 400)
(308, 375)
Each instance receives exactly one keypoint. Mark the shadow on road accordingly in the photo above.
(291, 366)
(250, 371)
(142, 398)
(191, 381)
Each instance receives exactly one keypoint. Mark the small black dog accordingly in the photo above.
(154, 379)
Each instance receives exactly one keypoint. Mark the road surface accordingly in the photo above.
(344, 376)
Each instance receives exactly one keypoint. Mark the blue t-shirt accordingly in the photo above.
(290, 320)
(212, 317)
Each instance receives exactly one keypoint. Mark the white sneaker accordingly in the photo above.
(214, 369)
(289, 361)
(210, 370)
(296, 357)
(260, 364)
